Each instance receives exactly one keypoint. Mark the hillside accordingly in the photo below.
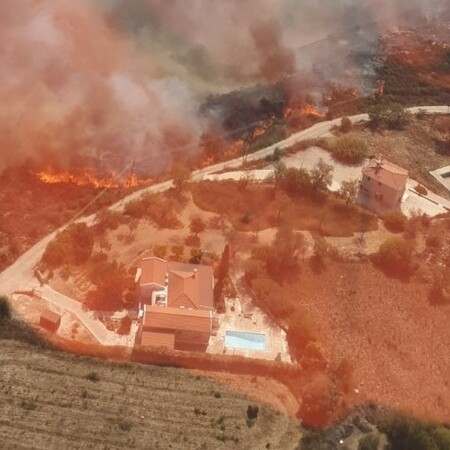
(50, 399)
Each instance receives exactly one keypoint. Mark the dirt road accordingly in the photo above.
(19, 276)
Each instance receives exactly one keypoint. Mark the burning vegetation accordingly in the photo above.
(88, 177)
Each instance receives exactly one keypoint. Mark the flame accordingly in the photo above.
(88, 177)
(236, 148)
(303, 110)
(207, 161)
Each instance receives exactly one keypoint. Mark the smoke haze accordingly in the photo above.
(98, 82)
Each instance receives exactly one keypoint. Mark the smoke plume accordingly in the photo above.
(100, 82)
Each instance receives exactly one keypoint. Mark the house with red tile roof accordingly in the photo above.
(175, 304)
(50, 320)
(383, 184)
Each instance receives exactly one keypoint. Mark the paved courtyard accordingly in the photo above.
(443, 176)
(244, 317)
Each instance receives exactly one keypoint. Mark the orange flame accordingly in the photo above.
(304, 110)
(87, 177)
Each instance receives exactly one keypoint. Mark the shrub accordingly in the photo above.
(408, 434)
(296, 181)
(5, 309)
(392, 116)
(395, 221)
(395, 256)
(73, 246)
(421, 190)
(252, 412)
(177, 252)
(349, 149)
(107, 220)
(197, 225)
(111, 280)
(369, 442)
(421, 114)
(125, 325)
(92, 376)
(217, 394)
(275, 156)
(160, 251)
(346, 125)
(28, 405)
(192, 241)
(124, 425)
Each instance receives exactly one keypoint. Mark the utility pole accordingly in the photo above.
(130, 180)
(248, 141)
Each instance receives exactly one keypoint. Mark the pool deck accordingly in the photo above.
(244, 317)
(438, 175)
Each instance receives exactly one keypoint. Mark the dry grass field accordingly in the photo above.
(51, 400)
(260, 207)
(393, 338)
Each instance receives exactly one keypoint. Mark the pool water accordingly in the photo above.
(247, 341)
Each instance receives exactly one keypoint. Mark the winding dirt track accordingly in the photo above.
(19, 276)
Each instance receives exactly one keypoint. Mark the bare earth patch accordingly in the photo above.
(387, 330)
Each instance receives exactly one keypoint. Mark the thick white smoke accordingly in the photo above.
(74, 91)
(104, 81)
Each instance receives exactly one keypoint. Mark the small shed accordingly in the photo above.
(50, 320)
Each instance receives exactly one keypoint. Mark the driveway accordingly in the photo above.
(432, 204)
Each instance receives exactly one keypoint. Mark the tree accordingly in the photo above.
(212, 146)
(279, 171)
(349, 191)
(443, 126)
(197, 225)
(296, 181)
(72, 246)
(177, 251)
(395, 256)
(132, 225)
(395, 221)
(247, 177)
(196, 256)
(180, 178)
(369, 442)
(224, 265)
(160, 251)
(104, 244)
(111, 280)
(349, 149)
(321, 175)
(284, 207)
(346, 125)
(5, 309)
(392, 116)
(106, 219)
(284, 253)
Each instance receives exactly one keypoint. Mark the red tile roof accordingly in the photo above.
(153, 270)
(178, 319)
(189, 285)
(153, 339)
(51, 316)
(195, 281)
(386, 173)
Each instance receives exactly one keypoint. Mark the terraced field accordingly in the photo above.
(51, 400)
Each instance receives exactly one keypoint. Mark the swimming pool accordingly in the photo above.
(248, 341)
